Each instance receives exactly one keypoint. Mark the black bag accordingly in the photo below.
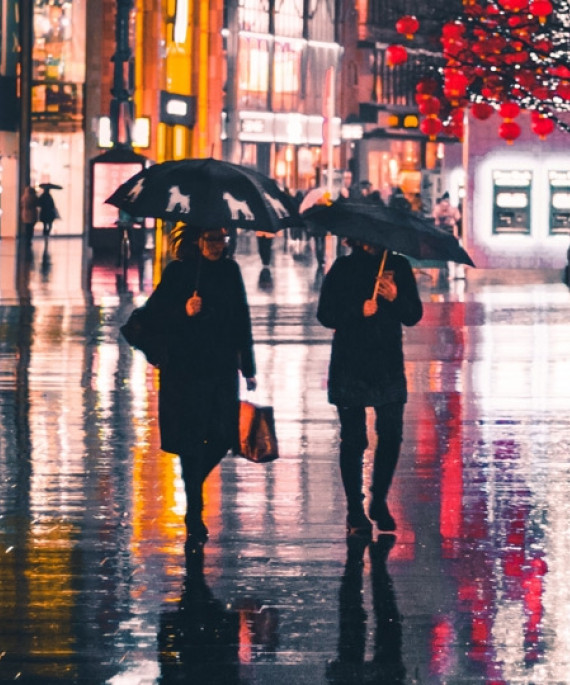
(257, 438)
(139, 332)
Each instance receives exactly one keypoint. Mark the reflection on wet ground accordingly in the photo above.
(94, 583)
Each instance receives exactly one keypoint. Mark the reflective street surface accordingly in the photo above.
(94, 583)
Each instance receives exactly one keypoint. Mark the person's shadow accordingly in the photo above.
(198, 642)
(386, 666)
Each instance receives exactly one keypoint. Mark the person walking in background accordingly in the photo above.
(48, 211)
(367, 369)
(447, 217)
(399, 201)
(200, 307)
(29, 213)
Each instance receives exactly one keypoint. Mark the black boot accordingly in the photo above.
(357, 523)
(380, 513)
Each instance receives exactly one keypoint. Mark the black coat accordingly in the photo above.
(199, 383)
(367, 360)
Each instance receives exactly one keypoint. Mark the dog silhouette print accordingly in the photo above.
(178, 199)
(238, 207)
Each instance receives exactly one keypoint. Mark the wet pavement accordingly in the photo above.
(94, 583)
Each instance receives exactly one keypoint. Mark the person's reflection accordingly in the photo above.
(386, 665)
(46, 263)
(199, 641)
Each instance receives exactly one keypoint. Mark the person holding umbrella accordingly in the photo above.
(48, 210)
(366, 297)
(201, 309)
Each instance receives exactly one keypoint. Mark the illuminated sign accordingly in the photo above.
(177, 109)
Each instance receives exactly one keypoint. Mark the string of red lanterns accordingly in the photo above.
(499, 57)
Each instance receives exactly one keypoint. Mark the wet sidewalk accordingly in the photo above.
(94, 584)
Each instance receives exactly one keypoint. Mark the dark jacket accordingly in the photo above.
(367, 360)
(199, 384)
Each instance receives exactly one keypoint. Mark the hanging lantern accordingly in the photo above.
(526, 78)
(541, 9)
(396, 54)
(509, 131)
(453, 30)
(426, 86)
(431, 127)
(482, 110)
(408, 25)
(509, 110)
(455, 84)
(513, 5)
(541, 93)
(542, 126)
(429, 106)
(563, 90)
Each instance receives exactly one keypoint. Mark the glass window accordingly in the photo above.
(289, 18)
(253, 16)
(253, 72)
(286, 76)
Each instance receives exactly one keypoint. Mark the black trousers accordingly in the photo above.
(197, 463)
(353, 441)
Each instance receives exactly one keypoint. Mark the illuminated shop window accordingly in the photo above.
(253, 15)
(286, 76)
(253, 72)
(559, 182)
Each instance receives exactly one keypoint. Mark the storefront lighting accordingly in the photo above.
(351, 131)
(411, 121)
(140, 133)
(180, 21)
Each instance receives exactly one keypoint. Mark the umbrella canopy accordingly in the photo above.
(207, 194)
(50, 186)
(394, 230)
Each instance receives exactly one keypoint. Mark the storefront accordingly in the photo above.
(286, 146)
(57, 139)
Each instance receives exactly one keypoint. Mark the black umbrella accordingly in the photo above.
(394, 230)
(207, 194)
(50, 186)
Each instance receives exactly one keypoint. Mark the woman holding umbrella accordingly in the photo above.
(200, 307)
(365, 298)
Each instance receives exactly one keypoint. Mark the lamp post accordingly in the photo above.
(122, 107)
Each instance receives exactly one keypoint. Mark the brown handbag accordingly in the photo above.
(257, 437)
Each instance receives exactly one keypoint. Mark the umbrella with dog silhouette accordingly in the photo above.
(207, 194)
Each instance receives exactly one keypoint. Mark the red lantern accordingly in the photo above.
(455, 84)
(563, 90)
(396, 54)
(509, 110)
(542, 126)
(482, 110)
(541, 93)
(431, 127)
(513, 5)
(526, 78)
(453, 30)
(429, 106)
(540, 9)
(426, 86)
(509, 131)
(408, 25)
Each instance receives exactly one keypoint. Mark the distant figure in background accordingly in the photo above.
(29, 213)
(446, 215)
(567, 268)
(399, 201)
(48, 211)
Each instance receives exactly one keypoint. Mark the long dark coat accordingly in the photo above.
(367, 360)
(199, 384)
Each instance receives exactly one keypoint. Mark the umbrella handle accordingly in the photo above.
(379, 274)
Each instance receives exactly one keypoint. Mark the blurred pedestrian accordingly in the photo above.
(29, 213)
(399, 201)
(201, 307)
(48, 211)
(566, 276)
(367, 369)
(446, 215)
(265, 246)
